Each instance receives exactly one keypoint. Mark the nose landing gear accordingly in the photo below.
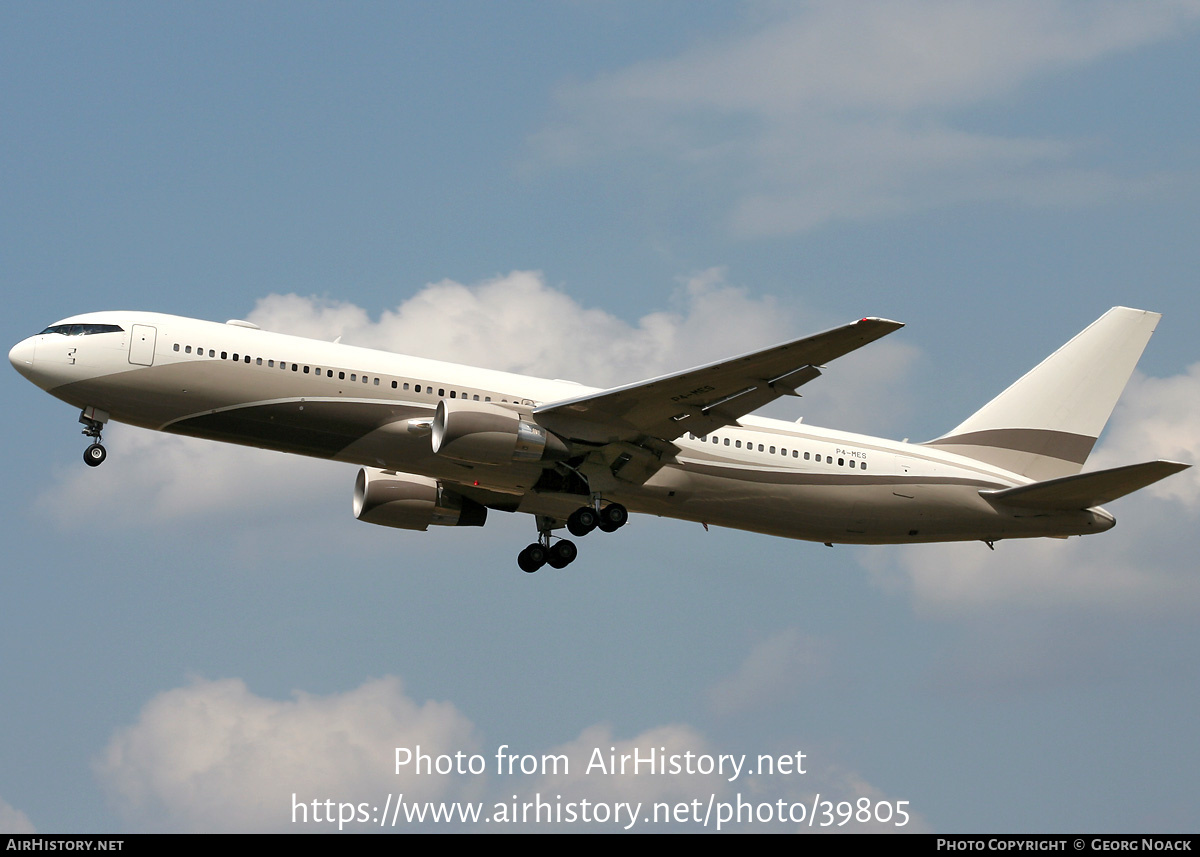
(93, 423)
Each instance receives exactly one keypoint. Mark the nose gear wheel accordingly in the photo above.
(95, 454)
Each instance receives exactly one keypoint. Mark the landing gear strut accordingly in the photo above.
(582, 521)
(586, 518)
(560, 554)
(95, 454)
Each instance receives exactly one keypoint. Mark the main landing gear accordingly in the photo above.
(586, 518)
(95, 454)
(560, 554)
(582, 521)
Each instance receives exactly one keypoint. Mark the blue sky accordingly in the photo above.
(191, 633)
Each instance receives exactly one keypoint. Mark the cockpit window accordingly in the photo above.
(83, 329)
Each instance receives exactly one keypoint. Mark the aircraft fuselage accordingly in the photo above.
(239, 384)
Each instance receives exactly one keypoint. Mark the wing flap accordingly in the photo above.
(706, 398)
(1085, 490)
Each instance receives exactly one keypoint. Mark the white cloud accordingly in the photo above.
(13, 821)
(1141, 567)
(1158, 418)
(517, 323)
(892, 56)
(775, 669)
(1145, 565)
(836, 110)
(165, 477)
(611, 783)
(213, 756)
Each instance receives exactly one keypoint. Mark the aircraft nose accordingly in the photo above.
(21, 355)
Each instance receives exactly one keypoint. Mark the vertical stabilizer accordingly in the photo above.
(1045, 425)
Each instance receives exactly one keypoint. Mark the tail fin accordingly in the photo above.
(1045, 425)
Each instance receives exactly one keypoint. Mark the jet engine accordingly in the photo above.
(411, 502)
(483, 433)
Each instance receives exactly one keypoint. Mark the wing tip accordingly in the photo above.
(882, 322)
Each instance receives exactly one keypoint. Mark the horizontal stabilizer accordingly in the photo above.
(1085, 490)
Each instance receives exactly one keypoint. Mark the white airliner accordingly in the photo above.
(441, 443)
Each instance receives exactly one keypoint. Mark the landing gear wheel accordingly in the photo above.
(582, 521)
(613, 517)
(94, 455)
(532, 558)
(562, 554)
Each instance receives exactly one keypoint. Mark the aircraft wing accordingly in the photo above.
(705, 398)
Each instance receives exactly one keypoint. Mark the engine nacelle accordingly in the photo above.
(485, 433)
(411, 502)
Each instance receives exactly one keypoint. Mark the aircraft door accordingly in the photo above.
(141, 344)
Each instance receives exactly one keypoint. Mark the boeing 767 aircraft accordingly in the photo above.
(441, 443)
